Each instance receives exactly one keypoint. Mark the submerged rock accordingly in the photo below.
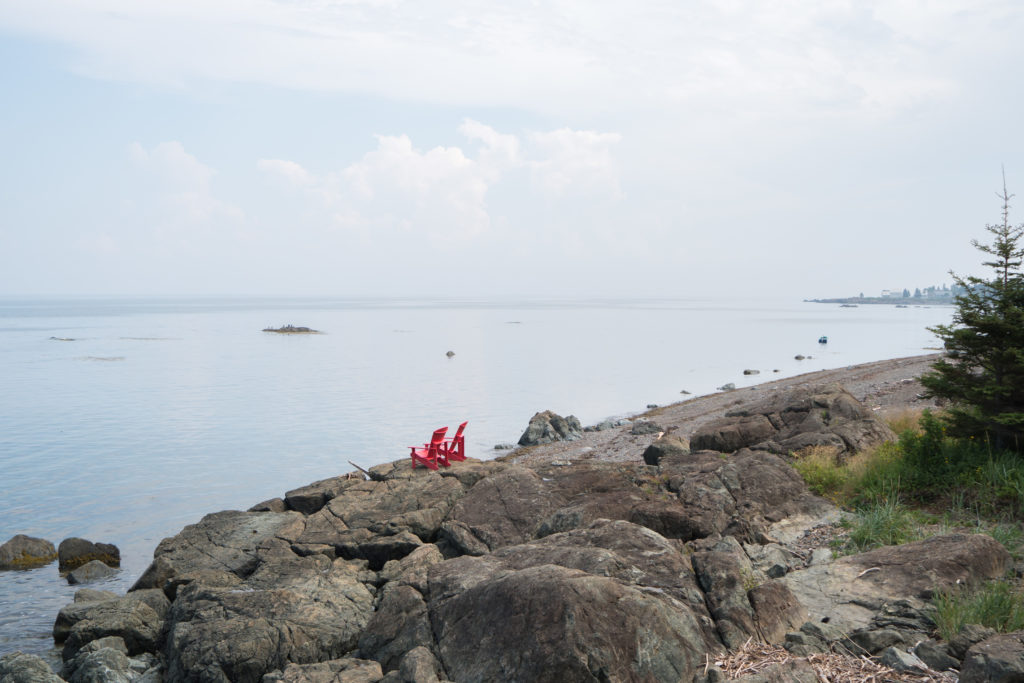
(93, 570)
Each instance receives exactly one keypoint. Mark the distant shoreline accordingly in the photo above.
(887, 300)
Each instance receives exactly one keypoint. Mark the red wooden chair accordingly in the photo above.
(429, 455)
(454, 448)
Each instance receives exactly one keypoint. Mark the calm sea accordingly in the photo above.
(121, 421)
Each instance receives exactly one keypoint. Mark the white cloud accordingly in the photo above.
(183, 185)
(565, 57)
(443, 192)
(577, 160)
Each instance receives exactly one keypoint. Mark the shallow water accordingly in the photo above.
(122, 421)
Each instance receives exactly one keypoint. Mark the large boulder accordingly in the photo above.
(26, 552)
(739, 495)
(74, 552)
(614, 601)
(999, 659)
(231, 541)
(521, 503)
(822, 416)
(546, 427)
(848, 593)
(136, 618)
(292, 609)
(19, 667)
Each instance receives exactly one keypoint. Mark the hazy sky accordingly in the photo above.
(472, 149)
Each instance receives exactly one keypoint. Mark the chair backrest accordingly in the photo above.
(438, 437)
(462, 428)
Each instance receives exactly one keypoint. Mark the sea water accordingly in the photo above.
(121, 421)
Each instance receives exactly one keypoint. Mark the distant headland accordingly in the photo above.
(929, 296)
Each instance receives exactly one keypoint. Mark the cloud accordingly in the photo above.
(443, 191)
(577, 160)
(565, 58)
(183, 187)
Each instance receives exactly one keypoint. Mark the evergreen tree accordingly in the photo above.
(982, 374)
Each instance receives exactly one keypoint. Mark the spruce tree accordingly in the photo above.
(982, 373)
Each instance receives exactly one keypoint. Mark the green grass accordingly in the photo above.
(997, 604)
(885, 522)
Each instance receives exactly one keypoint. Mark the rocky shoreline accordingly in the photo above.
(622, 555)
(884, 387)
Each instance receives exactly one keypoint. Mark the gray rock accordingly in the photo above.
(722, 576)
(641, 427)
(19, 667)
(26, 552)
(751, 372)
(107, 664)
(822, 416)
(798, 357)
(803, 644)
(347, 670)
(136, 618)
(290, 609)
(935, 655)
(873, 641)
(730, 386)
(899, 660)
(400, 624)
(547, 427)
(777, 611)
(852, 590)
(72, 553)
(272, 505)
(94, 570)
(667, 445)
(819, 556)
(998, 659)
(229, 541)
(311, 498)
(419, 665)
(967, 637)
(571, 606)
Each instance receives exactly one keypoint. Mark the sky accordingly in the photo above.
(458, 149)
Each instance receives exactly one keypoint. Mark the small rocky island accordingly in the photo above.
(703, 544)
(291, 329)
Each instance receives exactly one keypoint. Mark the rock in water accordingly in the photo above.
(18, 667)
(25, 552)
(450, 354)
(547, 427)
(74, 552)
(93, 570)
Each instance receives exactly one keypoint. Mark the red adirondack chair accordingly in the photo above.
(454, 448)
(430, 454)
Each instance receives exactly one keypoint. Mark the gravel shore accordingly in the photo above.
(886, 386)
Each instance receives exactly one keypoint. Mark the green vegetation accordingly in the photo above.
(983, 372)
(997, 604)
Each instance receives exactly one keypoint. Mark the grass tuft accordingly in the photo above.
(997, 604)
